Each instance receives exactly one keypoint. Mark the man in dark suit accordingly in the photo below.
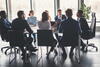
(20, 25)
(71, 30)
(84, 27)
(5, 25)
(59, 19)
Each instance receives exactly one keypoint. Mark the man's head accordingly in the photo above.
(69, 12)
(3, 14)
(79, 13)
(31, 13)
(21, 14)
(59, 12)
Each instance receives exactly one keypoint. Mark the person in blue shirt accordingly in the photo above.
(5, 25)
(32, 20)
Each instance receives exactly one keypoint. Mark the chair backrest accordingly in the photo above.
(93, 25)
(15, 36)
(44, 37)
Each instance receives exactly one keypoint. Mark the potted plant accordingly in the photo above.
(86, 10)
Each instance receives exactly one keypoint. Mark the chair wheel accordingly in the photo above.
(1, 49)
(86, 49)
(96, 49)
(6, 51)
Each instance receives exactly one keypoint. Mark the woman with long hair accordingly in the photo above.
(45, 24)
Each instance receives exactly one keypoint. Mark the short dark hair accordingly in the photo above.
(80, 11)
(45, 16)
(59, 10)
(20, 13)
(3, 14)
(68, 12)
(31, 11)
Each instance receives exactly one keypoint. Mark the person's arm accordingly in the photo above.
(62, 25)
(28, 27)
(30, 31)
(84, 24)
(49, 25)
(39, 24)
(79, 28)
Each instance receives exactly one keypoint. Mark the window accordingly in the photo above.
(17, 5)
(73, 4)
(42, 5)
(94, 4)
(2, 5)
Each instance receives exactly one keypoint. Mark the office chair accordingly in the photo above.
(91, 34)
(45, 38)
(11, 39)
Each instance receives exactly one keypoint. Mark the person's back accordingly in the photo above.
(32, 20)
(70, 29)
(84, 24)
(5, 25)
(44, 25)
(20, 25)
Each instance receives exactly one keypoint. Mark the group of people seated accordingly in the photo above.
(63, 24)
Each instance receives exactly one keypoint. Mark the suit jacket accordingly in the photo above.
(84, 27)
(59, 28)
(71, 30)
(83, 24)
(19, 25)
(4, 27)
(57, 19)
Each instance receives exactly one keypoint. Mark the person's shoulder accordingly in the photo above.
(82, 19)
(15, 20)
(0, 20)
(24, 20)
(34, 17)
(75, 20)
(64, 21)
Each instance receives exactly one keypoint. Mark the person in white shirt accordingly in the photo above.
(32, 20)
(45, 24)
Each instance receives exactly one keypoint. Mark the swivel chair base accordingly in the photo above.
(8, 48)
(90, 45)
